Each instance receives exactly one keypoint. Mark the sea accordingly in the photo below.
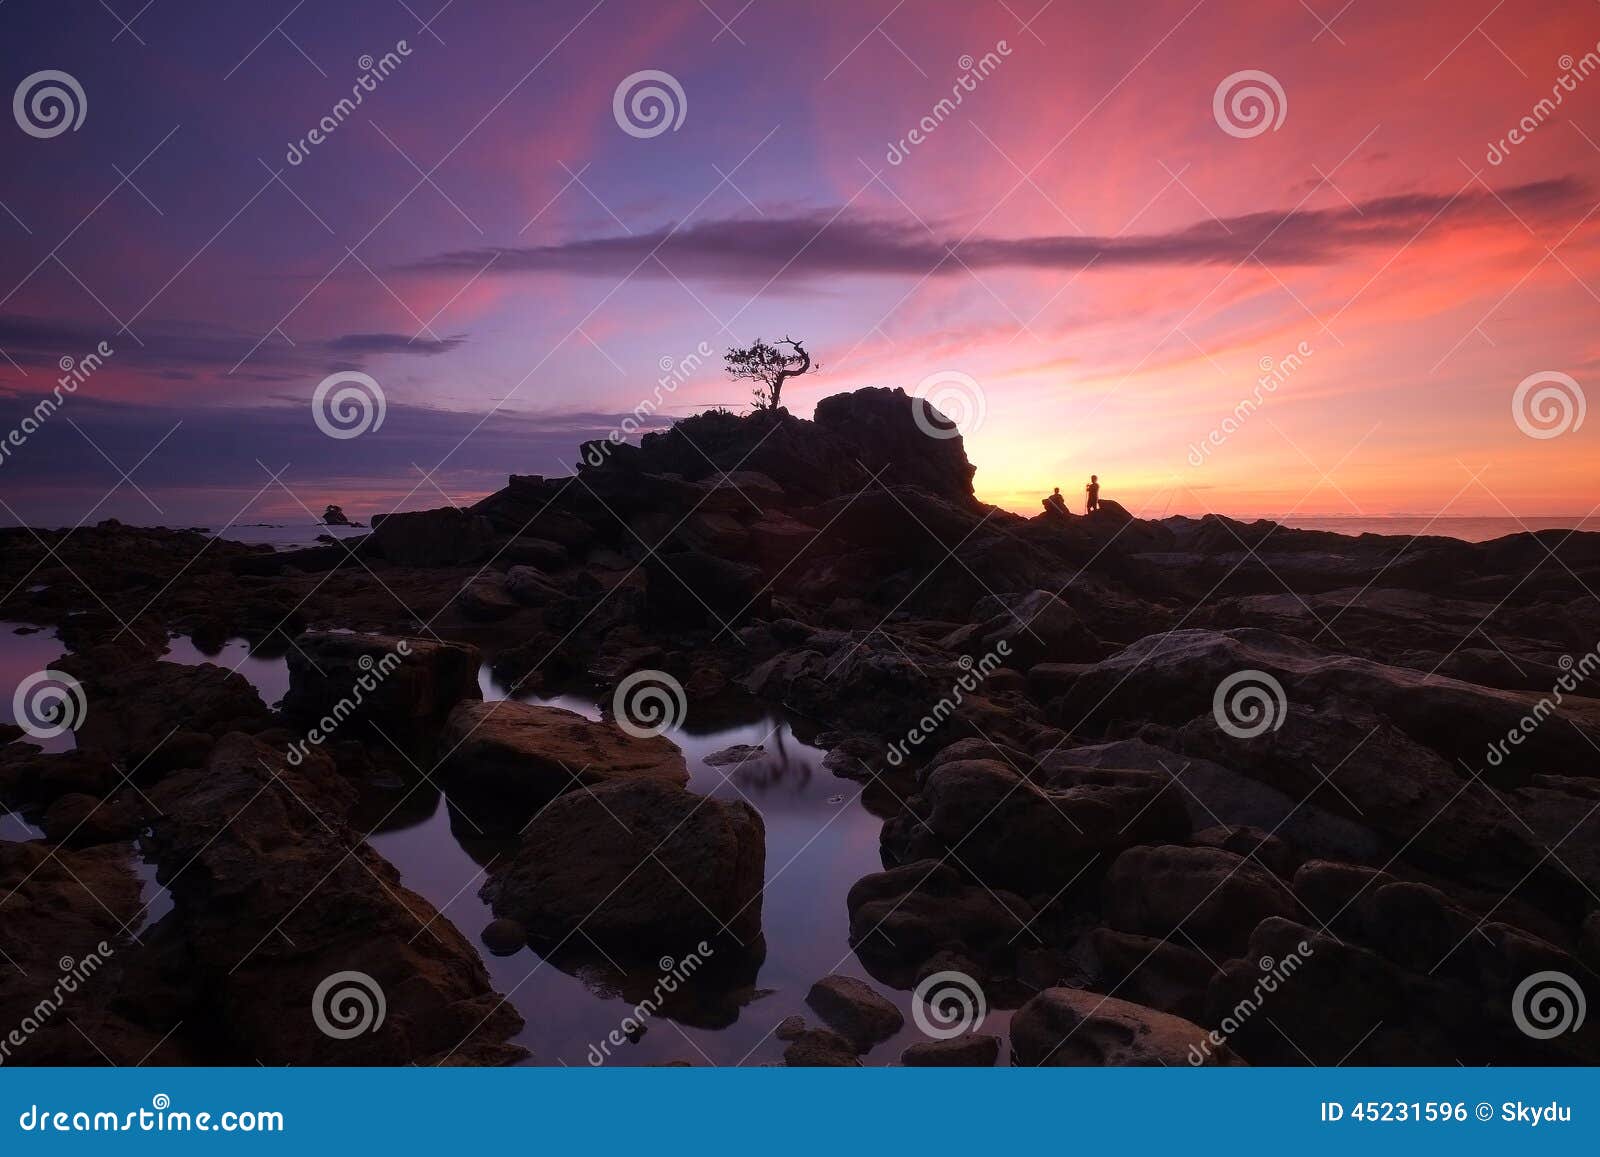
(291, 535)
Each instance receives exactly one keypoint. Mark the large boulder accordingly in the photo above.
(394, 682)
(520, 755)
(1072, 1027)
(640, 867)
(901, 438)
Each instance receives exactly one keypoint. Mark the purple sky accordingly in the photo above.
(1098, 266)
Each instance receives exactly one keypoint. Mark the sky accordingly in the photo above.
(1367, 285)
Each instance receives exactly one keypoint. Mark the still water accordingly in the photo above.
(821, 838)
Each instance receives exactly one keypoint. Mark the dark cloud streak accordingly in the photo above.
(819, 244)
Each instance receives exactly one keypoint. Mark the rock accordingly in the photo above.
(1035, 627)
(81, 821)
(504, 937)
(887, 431)
(970, 1050)
(1163, 974)
(1069, 1027)
(902, 918)
(141, 709)
(693, 588)
(517, 756)
(1213, 794)
(855, 1010)
(539, 553)
(1214, 897)
(739, 753)
(271, 902)
(444, 537)
(643, 867)
(9, 732)
(528, 586)
(1265, 848)
(820, 1048)
(411, 680)
(1035, 834)
(790, 1028)
(68, 913)
(333, 516)
(486, 601)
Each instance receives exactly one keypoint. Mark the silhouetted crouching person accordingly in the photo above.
(1055, 504)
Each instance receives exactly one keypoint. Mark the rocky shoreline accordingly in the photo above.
(1131, 770)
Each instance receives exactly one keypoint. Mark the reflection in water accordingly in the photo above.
(821, 837)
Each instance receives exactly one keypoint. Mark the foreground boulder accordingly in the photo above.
(274, 899)
(513, 756)
(394, 682)
(1069, 1026)
(641, 867)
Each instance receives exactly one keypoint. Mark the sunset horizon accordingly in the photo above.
(986, 195)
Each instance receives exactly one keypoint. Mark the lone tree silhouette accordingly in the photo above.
(769, 367)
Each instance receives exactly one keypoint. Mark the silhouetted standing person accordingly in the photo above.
(1093, 492)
